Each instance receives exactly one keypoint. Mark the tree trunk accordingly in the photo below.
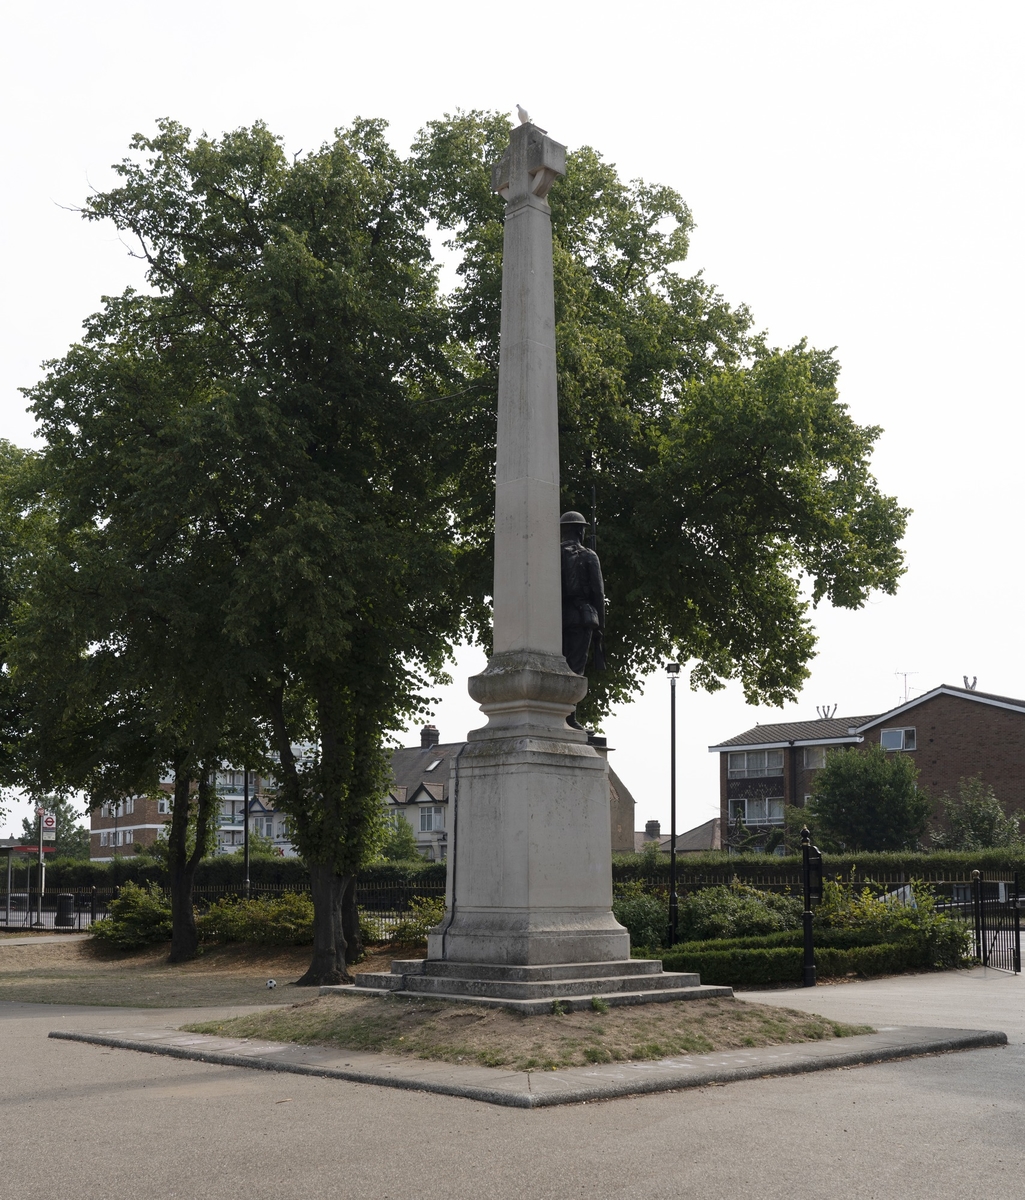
(328, 963)
(184, 936)
(182, 864)
(350, 925)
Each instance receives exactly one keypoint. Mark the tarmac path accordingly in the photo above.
(88, 1123)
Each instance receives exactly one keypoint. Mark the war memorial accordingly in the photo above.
(528, 917)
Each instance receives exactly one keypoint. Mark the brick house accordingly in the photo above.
(134, 823)
(767, 767)
(952, 732)
(420, 787)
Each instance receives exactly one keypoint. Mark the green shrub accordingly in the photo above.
(869, 916)
(736, 911)
(762, 966)
(739, 967)
(644, 914)
(856, 930)
(285, 920)
(424, 913)
(139, 917)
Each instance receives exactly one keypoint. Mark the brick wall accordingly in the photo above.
(142, 824)
(957, 738)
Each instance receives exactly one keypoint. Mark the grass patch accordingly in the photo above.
(82, 972)
(464, 1033)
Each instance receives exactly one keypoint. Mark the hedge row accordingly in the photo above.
(717, 867)
(227, 871)
(767, 965)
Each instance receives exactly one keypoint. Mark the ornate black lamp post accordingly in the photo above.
(673, 671)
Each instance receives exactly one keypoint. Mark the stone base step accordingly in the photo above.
(507, 989)
(521, 974)
(538, 1007)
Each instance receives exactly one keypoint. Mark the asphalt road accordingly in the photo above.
(84, 1123)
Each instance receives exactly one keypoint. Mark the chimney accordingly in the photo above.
(652, 829)
(429, 736)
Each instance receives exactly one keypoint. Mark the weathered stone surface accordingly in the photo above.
(530, 879)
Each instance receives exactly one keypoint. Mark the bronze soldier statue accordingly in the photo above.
(583, 598)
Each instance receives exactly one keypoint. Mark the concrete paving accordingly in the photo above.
(96, 1124)
(944, 998)
(539, 1089)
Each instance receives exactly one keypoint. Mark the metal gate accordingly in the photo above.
(995, 920)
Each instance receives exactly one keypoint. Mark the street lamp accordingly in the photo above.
(673, 671)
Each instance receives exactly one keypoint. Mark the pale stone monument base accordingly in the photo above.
(533, 991)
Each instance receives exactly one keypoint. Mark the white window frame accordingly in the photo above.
(765, 819)
(814, 758)
(901, 739)
(163, 805)
(432, 818)
(739, 764)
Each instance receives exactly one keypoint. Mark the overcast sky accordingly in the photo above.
(854, 170)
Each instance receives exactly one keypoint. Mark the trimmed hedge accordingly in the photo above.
(227, 871)
(758, 966)
(717, 866)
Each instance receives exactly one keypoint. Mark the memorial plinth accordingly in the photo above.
(529, 900)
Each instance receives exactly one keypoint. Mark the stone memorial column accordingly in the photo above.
(530, 873)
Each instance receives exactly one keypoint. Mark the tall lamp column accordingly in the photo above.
(673, 671)
(245, 829)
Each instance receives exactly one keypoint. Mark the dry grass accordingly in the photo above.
(490, 1037)
(79, 972)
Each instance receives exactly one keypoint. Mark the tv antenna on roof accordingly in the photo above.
(904, 675)
(970, 686)
(825, 712)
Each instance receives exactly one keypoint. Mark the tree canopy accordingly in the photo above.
(867, 799)
(733, 487)
(269, 480)
(975, 819)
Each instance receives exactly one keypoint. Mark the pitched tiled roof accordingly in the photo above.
(948, 690)
(823, 730)
(409, 770)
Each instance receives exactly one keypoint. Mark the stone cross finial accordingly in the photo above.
(530, 165)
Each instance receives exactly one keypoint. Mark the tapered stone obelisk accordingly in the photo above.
(528, 915)
(530, 875)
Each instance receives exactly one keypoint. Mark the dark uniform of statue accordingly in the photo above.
(583, 597)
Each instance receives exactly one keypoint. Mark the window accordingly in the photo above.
(104, 837)
(268, 827)
(431, 818)
(897, 739)
(758, 810)
(814, 758)
(431, 766)
(164, 805)
(752, 764)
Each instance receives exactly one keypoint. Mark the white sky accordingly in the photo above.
(854, 170)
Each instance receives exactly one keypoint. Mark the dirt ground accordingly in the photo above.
(80, 972)
(494, 1037)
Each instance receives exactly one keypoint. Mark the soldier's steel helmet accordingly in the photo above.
(572, 518)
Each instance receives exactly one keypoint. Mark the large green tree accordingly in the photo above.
(264, 416)
(733, 488)
(293, 434)
(868, 799)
